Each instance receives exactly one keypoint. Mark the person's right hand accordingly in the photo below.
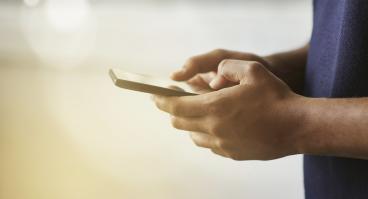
(201, 70)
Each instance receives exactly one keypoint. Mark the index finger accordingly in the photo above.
(188, 106)
(200, 64)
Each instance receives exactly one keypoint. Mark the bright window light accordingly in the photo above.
(66, 15)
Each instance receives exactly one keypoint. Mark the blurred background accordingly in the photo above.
(66, 132)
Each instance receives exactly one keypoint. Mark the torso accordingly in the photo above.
(337, 67)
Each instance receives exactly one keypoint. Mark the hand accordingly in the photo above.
(256, 119)
(201, 70)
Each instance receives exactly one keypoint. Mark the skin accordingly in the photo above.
(256, 113)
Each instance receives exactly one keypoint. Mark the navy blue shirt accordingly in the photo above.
(337, 67)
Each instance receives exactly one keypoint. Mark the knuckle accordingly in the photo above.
(215, 129)
(254, 68)
(175, 122)
(214, 106)
(157, 104)
(219, 51)
(221, 144)
(197, 143)
(221, 66)
(218, 152)
(195, 139)
(235, 156)
(214, 109)
(215, 151)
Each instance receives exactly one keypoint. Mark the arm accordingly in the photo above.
(290, 66)
(337, 127)
(261, 118)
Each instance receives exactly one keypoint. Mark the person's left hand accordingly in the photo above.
(256, 119)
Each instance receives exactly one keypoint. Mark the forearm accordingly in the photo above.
(290, 66)
(336, 127)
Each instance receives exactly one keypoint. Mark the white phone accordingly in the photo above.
(148, 84)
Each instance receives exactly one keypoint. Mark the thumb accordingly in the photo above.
(239, 71)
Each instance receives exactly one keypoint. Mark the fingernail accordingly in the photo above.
(214, 83)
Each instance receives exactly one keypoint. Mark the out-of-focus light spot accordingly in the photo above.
(66, 15)
(31, 3)
(61, 33)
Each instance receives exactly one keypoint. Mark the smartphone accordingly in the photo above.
(148, 84)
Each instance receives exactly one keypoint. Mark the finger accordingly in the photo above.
(188, 106)
(219, 152)
(200, 64)
(176, 88)
(198, 83)
(203, 79)
(219, 82)
(208, 77)
(203, 140)
(189, 124)
(241, 71)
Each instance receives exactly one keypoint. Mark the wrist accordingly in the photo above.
(309, 139)
(274, 61)
(296, 123)
(289, 67)
(331, 127)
